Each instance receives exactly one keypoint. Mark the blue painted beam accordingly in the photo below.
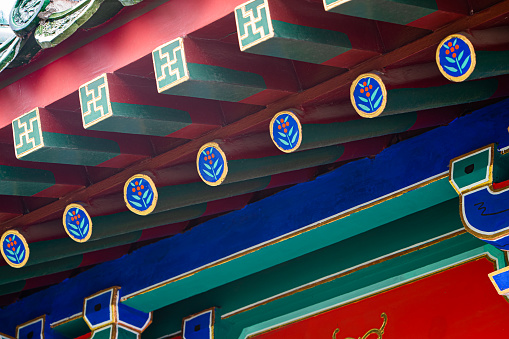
(281, 214)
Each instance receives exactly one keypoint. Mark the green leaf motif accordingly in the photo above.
(149, 197)
(452, 69)
(69, 213)
(295, 136)
(135, 197)
(17, 251)
(145, 194)
(451, 60)
(445, 45)
(460, 56)
(9, 251)
(137, 204)
(283, 142)
(132, 184)
(12, 259)
(454, 43)
(72, 226)
(207, 165)
(375, 92)
(286, 119)
(369, 80)
(363, 99)
(282, 134)
(75, 233)
(364, 107)
(208, 173)
(215, 163)
(465, 62)
(22, 255)
(378, 101)
(85, 229)
(219, 170)
(291, 130)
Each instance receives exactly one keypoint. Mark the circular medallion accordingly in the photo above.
(368, 95)
(24, 15)
(286, 131)
(140, 194)
(77, 223)
(211, 164)
(455, 57)
(14, 249)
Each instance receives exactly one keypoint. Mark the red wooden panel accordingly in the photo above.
(457, 303)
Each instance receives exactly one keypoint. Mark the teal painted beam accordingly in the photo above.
(219, 71)
(33, 141)
(264, 257)
(404, 100)
(71, 328)
(126, 104)
(24, 181)
(376, 243)
(263, 31)
(400, 12)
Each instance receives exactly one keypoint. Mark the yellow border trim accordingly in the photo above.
(299, 126)
(225, 168)
(334, 4)
(19, 156)
(27, 249)
(89, 222)
(490, 275)
(154, 189)
(472, 53)
(104, 117)
(269, 23)
(380, 109)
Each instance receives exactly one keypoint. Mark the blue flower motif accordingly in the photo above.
(140, 194)
(14, 249)
(77, 223)
(455, 57)
(211, 164)
(286, 132)
(368, 95)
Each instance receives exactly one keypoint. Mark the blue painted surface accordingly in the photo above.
(99, 314)
(32, 331)
(456, 59)
(132, 316)
(368, 95)
(211, 165)
(399, 166)
(14, 249)
(502, 280)
(77, 223)
(198, 327)
(487, 212)
(140, 194)
(286, 132)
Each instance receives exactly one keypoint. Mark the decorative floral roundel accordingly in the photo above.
(211, 164)
(14, 249)
(368, 95)
(140, 194)
(77, 223)
(456, 57)
(286, 131)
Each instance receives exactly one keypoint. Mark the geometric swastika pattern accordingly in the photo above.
(170, 64)
(253, 23)
(95, 101)
(27, 133)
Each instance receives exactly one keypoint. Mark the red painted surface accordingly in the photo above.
(85, 336)
(108, 53)
(500, 185)
(457, 303)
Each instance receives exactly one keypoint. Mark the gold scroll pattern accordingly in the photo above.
(378, 331)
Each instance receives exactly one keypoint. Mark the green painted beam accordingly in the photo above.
(24, 181)
(72, 328)
(400, 12)
(103, 109)
(176, 74)
(259, 33)
(34, 142)
(292, 247)
(490, 64)
(376, 243)
(358, 284)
